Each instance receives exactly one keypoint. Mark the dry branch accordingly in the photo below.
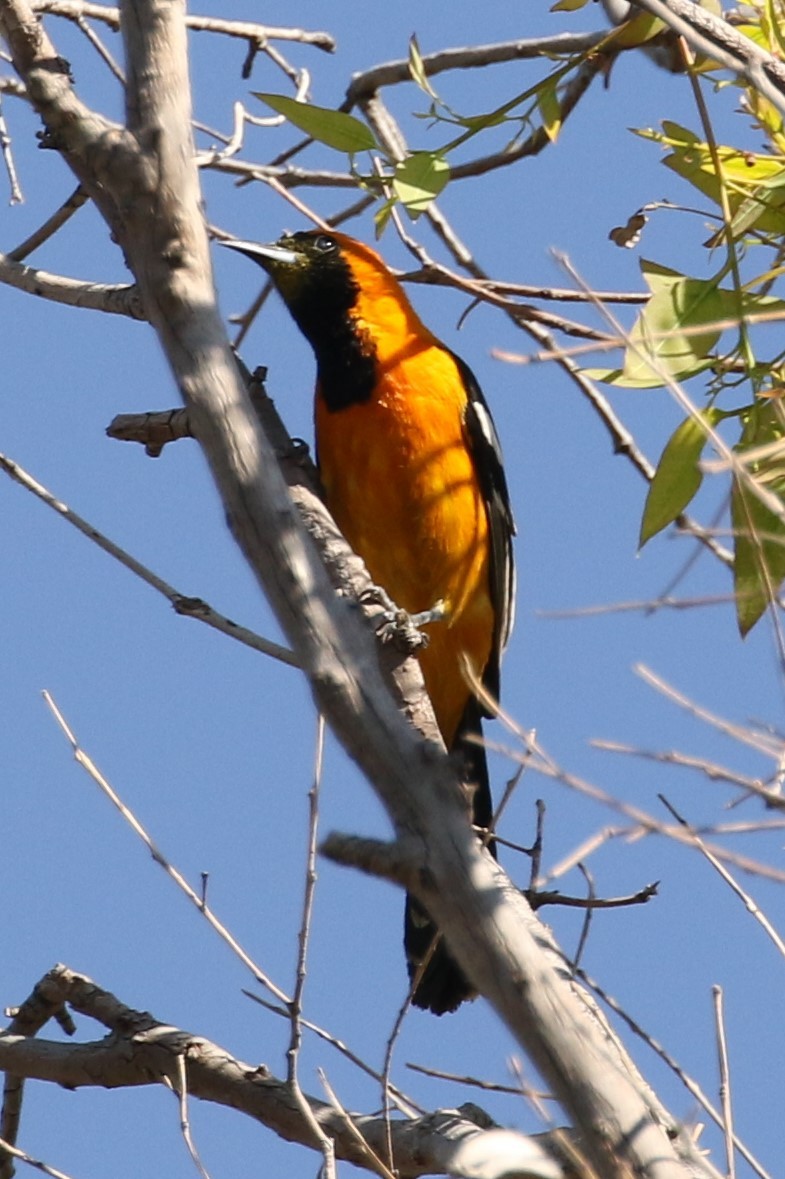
(471, 57)
(185, 605)
(246, 30)
(117, 299)
(140, 1050)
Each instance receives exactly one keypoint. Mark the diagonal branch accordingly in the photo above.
(710, 35)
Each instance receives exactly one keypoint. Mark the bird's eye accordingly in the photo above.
(324, 243)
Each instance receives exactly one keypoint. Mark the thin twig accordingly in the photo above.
(389, 1049)
(750, 905)
(100, 49)
(477, 1083)
(644, 605)
(725, 1091)
(85, 761)
(60, 216)
(769, 746)
(15, 197)
(405, 1104)
(31, 1162)
(245, 30)
(473, 57)
(713, 771)
(295, 1004)
(185, 1125)
(586, 926)
(183, 604)
(534, 875)
(546, 765)
(377, 1163)
(438, 277)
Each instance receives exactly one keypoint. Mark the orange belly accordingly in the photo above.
(400, 481)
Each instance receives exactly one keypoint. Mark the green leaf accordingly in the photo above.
(550, 110)
(635, 31)
(657, 276)
(678, 475)
(338, 130)
(616, 377)
(771, 25)
(763, 306)
(419, 179)
(417, 68)
(381, 217)
(677, 328)
(568, 5)
(759, 557)
(754, 182)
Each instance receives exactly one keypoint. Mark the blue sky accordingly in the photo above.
(212, 745)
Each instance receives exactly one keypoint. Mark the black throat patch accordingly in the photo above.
(346, 360)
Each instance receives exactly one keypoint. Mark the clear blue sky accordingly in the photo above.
(212, 745)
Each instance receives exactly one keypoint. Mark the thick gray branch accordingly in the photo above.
(468, 58)
(141, 1051)
(117, 299)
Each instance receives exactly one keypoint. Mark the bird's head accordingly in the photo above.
(303, 265)
(329, 279)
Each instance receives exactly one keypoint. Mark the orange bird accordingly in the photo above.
(412, 473)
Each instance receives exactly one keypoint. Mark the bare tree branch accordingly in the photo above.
(472, 57)
(60, 216)
(142, 1051)
(246, 30)
(187, 606)
(117, 299)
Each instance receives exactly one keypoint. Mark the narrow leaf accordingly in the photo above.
(382, 217)
(550, 110)
(678, 475)
(417, 68)
(617, 378)
(334, 128)
(759, 557)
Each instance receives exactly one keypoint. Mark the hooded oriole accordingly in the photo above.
(412, 472)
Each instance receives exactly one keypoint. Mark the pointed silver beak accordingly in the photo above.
(264, 253)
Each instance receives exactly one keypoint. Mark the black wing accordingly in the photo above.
(487, 454)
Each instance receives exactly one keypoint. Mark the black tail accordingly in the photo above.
(444, 986)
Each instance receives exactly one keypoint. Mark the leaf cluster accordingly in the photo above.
(719, 328)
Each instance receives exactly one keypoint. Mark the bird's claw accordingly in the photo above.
(398, 626)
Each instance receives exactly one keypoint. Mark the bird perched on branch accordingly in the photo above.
(412, 472)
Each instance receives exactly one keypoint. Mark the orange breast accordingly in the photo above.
(400, 480)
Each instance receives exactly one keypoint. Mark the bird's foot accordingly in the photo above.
(398, 626)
